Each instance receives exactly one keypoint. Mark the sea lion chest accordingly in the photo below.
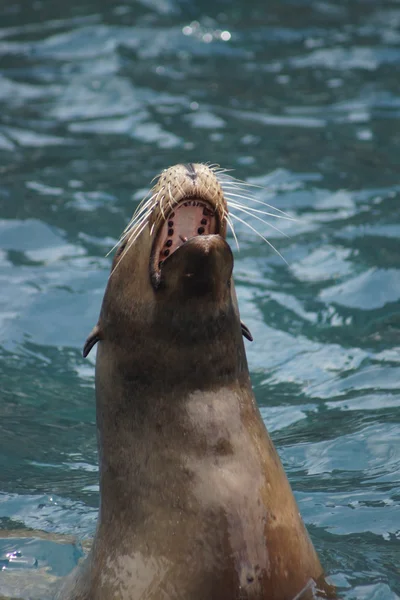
(199, 520)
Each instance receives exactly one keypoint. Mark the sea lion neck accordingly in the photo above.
(194, 306)
(185, 345)
(156, 379)
(148, 405)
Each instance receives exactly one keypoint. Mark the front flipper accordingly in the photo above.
(94, 336)
(246, 332)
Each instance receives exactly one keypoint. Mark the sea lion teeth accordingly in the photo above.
(208, 212)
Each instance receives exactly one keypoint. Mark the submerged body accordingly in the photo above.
(195, 504)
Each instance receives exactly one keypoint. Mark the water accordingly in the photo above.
(301, 98)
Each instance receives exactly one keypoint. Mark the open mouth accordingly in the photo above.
(189, 218)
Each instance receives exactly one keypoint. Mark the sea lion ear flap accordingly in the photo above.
(94, 336)
(246, 332)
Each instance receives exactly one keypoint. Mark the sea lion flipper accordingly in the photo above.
(93, 337)
(246, 332)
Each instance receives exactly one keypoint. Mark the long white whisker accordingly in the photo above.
(259, 234)
(214, 167)
(180, 189)
(156, 177)
(229, 221)
(236, 204)
(137, 232)
(135, 221)
(239, 207)
(140, 210)
(230, 185)
(145, 201)
(131, 231)
(113, 248)
(230, 179)
(220, 171)
(130, 243)
(127, 232)
(235, 183)
(138, 217)
(258, 202)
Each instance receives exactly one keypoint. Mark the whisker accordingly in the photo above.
(140, 209)
(156, 177)
(137, 231)
(138, 218)
(145, 200)
(229, 221)
(221, 171)
(113, 248)
(256, 210)
(239, 207)
(141, 215)
(131, 231)
(261, 236)
(233, 183)
(236, 195)
(259, 202)
(215, 167)
(180, 189)
(126, 233)
(230, 179)
(130, 243)
(137, 221)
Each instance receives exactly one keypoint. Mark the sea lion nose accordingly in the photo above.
(191, 171)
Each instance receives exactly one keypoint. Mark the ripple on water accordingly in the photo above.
(303, 100)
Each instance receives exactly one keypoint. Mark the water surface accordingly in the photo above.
(300, 98)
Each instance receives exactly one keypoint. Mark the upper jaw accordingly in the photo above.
(189, 218)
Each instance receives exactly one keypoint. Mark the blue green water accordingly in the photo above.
(301, 98)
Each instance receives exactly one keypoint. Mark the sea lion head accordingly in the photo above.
(172, 272)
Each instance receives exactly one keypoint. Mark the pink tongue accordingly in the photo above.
(189, 219)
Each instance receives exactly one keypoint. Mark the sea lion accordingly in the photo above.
(194, 501)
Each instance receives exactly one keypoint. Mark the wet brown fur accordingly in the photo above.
(195, 504)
